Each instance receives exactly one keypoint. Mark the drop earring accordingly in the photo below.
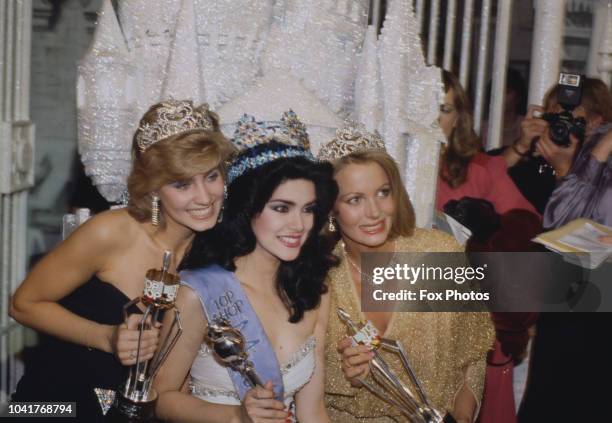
(155, 210)
(220, 218)
(331, 226)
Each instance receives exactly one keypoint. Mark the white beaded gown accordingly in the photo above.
(211, 382)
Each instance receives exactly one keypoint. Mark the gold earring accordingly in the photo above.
(331, 225)
(155, 210)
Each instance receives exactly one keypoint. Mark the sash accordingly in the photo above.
(222, 296)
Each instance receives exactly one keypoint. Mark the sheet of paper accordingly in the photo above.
(446, 223)
(585, 238)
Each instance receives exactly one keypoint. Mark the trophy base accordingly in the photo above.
(125, 410)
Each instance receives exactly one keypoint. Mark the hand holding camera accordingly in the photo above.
(532, 128)
(563, 124)
(559, 157)
(555, 136)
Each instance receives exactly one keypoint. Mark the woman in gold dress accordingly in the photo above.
(447, 351)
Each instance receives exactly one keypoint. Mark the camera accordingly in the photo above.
(562, 124)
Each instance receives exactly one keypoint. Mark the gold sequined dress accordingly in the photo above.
(440, 345)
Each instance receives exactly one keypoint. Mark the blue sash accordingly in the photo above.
(222, 296)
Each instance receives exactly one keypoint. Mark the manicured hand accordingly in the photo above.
(531, 127)
(260, 406)
(355, 361)
(125, 341)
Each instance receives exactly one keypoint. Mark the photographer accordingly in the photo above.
(587, 190)
(570, 356)
(535, 162)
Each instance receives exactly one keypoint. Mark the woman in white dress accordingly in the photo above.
(263, 268)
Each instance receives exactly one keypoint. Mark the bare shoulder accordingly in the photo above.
(318, 316)
(429, 240)
(188, 301)
(110, 228)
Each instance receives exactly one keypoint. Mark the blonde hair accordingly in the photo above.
(176, 158)
(404, 218)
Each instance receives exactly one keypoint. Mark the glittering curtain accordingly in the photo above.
(411, 94)
(261, 57)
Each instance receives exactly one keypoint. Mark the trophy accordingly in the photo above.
(414, 405)
(135, 401)
(229, 345)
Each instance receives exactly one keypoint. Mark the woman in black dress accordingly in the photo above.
(75, 295)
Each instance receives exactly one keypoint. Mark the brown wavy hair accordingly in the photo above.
(176, 158)
(404, 219)
(463, 143)
(596, 98)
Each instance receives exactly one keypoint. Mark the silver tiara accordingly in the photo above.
(173, 117)
(290, 136)
(289, 130)
(351, 137)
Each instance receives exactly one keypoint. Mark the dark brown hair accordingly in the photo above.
(596, 99)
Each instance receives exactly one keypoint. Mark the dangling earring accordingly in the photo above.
(220, 218)
(331, 226)
(155, 210)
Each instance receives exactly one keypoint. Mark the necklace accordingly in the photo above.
(358, 269)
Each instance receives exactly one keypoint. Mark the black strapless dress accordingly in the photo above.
(62, 371)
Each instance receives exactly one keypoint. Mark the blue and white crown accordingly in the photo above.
(290, 136)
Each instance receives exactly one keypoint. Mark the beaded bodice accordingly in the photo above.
(210, 380)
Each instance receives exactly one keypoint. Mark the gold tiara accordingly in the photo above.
(350, 138)
(173, 117)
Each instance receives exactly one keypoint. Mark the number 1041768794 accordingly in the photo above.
(39, 409)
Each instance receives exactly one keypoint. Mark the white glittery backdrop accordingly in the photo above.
(368, 90)
(106, 107)
(411, 93)
(276, 92)
(316, 41)
(184, 77)
(148, 32)
(263, 57)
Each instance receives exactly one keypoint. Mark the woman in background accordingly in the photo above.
(466, 171)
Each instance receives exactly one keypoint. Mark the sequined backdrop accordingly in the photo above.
(261, 57)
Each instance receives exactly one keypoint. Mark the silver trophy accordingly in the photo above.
(229, 345)
(388, 386)
(135, 401)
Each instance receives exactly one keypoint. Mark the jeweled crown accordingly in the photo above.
(350, 138)
(289, 130)
(174, 117)
(290, 136)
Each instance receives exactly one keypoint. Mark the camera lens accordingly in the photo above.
(559, 132)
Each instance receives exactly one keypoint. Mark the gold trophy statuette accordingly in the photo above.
(387, 385)
(135, 401)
